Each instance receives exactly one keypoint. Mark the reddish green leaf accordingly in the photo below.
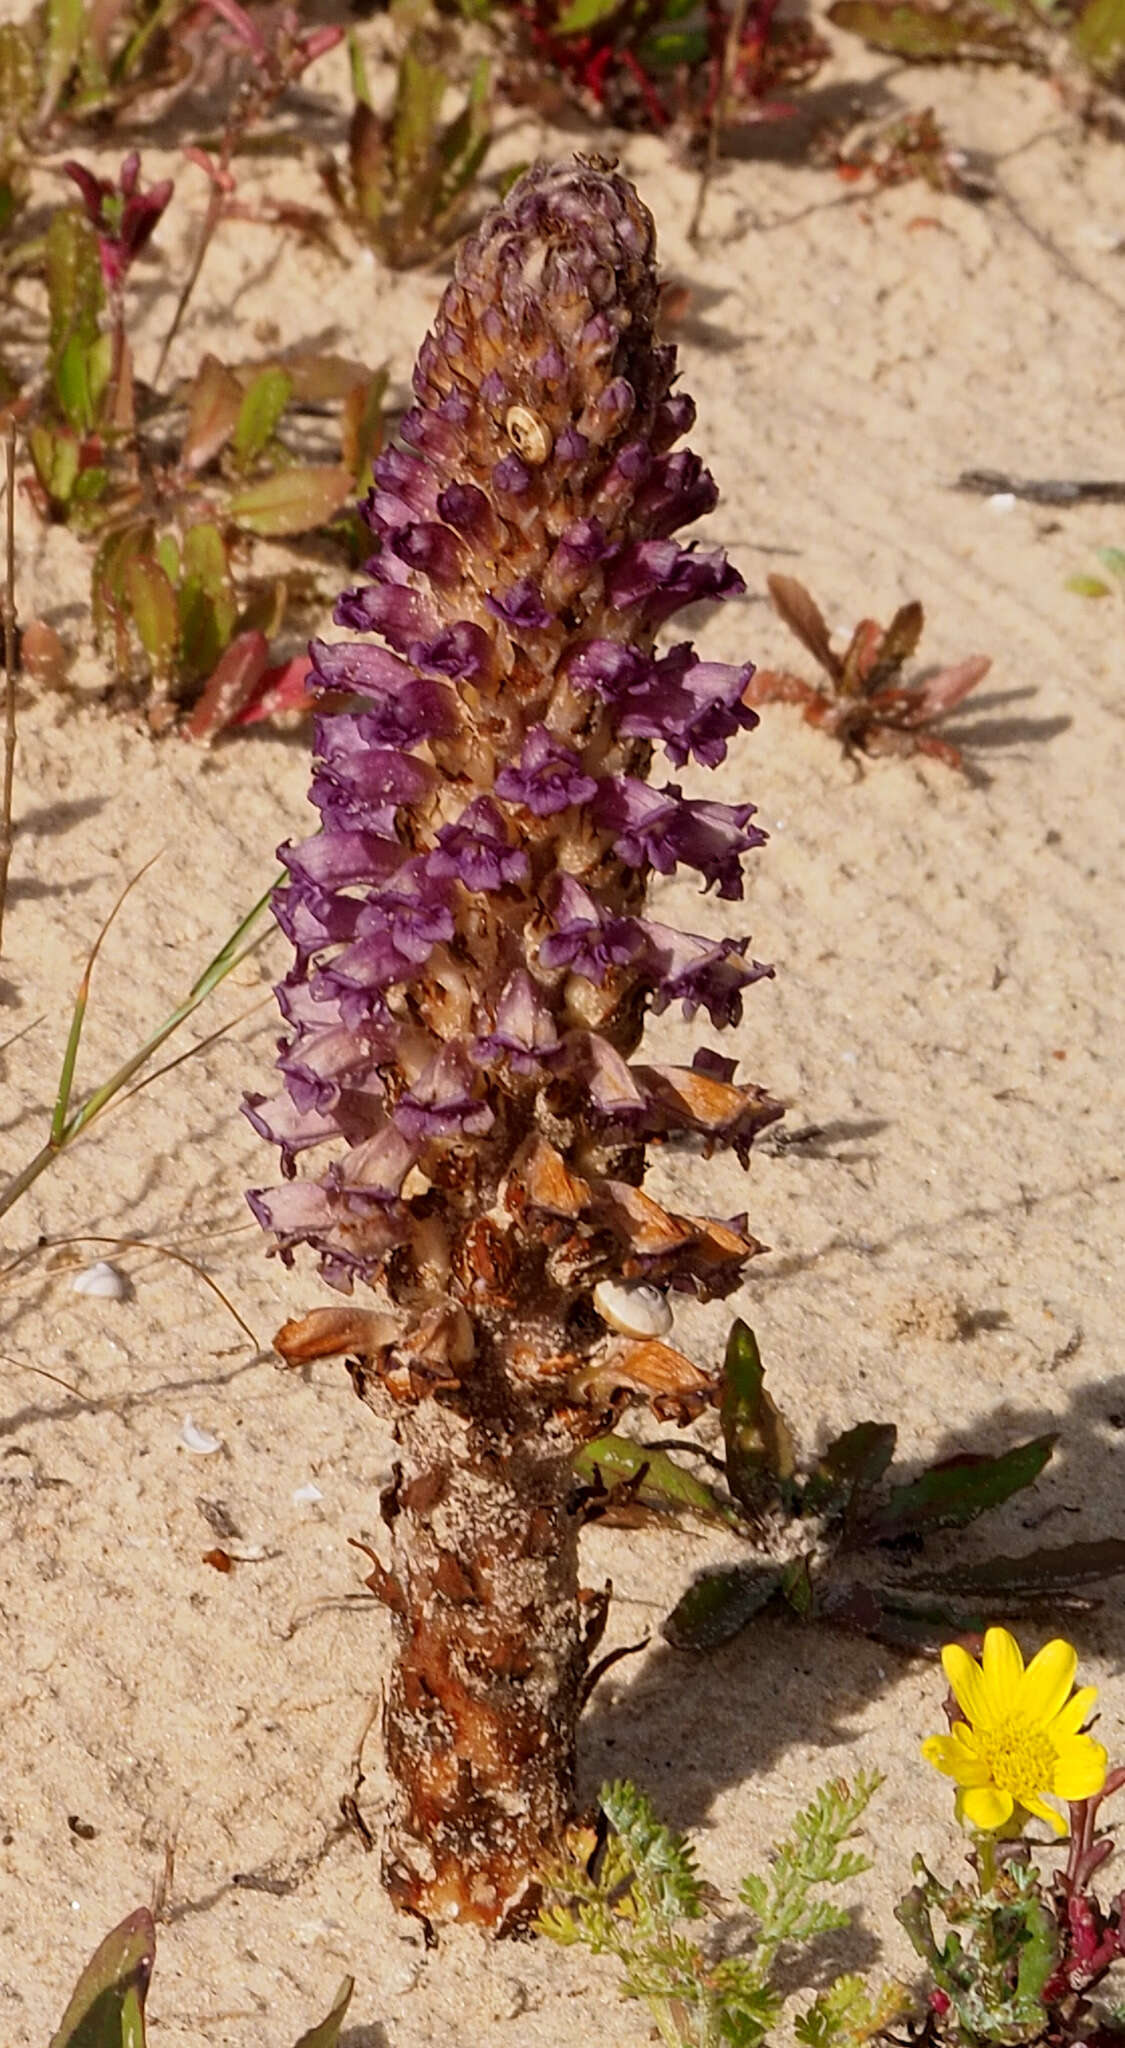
(296, 500)
(213, 408)
(230, 686)
(924, 33)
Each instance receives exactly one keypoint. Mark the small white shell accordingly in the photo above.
(307, 1495)
(200, 1442)
(102, 1281)
(528, 434)
(636, 1311)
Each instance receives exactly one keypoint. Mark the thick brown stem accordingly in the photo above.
(484, 1697)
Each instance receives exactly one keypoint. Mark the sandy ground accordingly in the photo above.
(947, 1011)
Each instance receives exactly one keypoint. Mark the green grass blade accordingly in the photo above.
(74, 1038)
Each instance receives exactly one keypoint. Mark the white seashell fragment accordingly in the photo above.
(200, 1442)
(306, 1495)
(102, 1281)
(636, 1311)
(1001, 501)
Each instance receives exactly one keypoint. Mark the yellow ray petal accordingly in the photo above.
(1081, 1768)
(1002, 1668)
(1042, 1811)
(968, 1686)
(1073, 1714)
(985, 1807)
(1047, 1681)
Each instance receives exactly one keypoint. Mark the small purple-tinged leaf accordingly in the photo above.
(954, 1493)
(327, 2034)
(107, 2009)
(719, 1605)
(213, 407)
(296, 500)
(152, 602)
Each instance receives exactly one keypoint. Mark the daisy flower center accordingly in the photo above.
(1021, 1758)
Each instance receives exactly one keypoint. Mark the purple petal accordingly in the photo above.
(550, 776)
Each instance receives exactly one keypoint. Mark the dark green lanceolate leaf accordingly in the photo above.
(155, 613)
(1098, 35)
(760, 1459)
(853, 1464)
(1040, 1572)
(259, 414)
(107, 2008)
(720, 1604)
(327, 2034)
(652, 1477)
(295, 500)
(926, 34)
(953, 1494)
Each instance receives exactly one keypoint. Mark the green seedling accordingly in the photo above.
(1111, 584)
(835, 1542)
(630, 1889)
(410, 170)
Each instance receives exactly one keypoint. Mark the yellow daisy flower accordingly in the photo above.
(1020, 1739)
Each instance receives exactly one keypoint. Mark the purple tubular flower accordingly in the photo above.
(661, 828)
(550, 776)
(487, 828)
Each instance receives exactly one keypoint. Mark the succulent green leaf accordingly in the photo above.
(853, 1464)
(295, 500)
(327, 2034)
(1087, 586)
(152, 602)
(653, 1477)
(74, 299)
(720, 1604)
(107, 2007)
(206, 600)
(265, 400)
(760, 1458)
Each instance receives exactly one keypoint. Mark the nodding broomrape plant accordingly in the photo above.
(473, 967)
